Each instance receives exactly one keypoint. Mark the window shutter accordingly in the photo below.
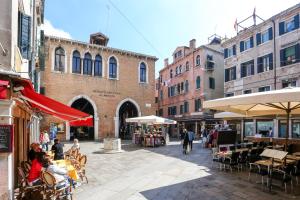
(226, 53)
(24, 35)
(234, 50)
(271, 61)
(296, 20)
(281, 28)
(282, 59)
(241, 46)
(270, 30)
(242, 71)
(251, 42)
(259, 65)
(252, 67)
(258, 39)
(234, 73)
(297, 52)
(42, 38)
(226, 75)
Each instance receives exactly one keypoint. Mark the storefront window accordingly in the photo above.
(296, 129)
(282, 129)
(264, 127)
(249, 128)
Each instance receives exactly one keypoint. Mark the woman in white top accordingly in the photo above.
(75, 145)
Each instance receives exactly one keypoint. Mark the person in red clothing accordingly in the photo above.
(36, 168)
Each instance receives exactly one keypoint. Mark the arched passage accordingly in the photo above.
(87, 105)
(127, 108)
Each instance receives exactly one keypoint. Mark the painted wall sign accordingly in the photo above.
(104, 93)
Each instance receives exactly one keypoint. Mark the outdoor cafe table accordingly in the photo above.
(68, 166)
(268, 163)
(287, 161)
(296, 154)
(292, 157)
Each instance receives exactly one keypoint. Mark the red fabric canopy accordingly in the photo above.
(55, 108)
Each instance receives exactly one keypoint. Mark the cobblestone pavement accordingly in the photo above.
(164, 173)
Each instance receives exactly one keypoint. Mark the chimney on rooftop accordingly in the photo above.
(193, 44)
(166, 62)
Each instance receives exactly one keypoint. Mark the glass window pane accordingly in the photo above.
(296, 129)
(282, 128)
(265, 128)
(249, 128)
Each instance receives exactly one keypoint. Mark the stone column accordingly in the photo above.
(242, 129)
(275, 128)
(196, 127)
(67, 131)
(290, 128)
(116, 119)
(96, 128)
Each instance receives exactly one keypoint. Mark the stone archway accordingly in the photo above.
(119, 108)
(95, 114)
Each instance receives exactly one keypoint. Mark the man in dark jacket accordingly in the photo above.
(58, 150)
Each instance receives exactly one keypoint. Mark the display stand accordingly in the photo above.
(273, 154)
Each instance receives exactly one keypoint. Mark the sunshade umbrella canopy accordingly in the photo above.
(151, 119)
(277, 102)
(228, 115)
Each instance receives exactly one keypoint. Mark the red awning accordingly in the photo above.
(54, 108)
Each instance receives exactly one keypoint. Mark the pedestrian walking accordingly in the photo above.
(44, 140)
(191, 136)
(53, 131)
(185, 142)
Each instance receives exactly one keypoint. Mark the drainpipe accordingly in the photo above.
(274, 53)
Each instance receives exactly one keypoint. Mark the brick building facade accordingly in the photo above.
(108, 83)
(195, 75)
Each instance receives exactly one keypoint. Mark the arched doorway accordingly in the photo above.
(83, 132)
(127, 110)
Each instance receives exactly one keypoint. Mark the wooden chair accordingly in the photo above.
(54, 189)
(24, 188)
(81, 168)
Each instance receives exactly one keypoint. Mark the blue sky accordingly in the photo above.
(166, 24)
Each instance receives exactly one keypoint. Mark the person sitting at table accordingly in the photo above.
(58, 150)
(60, 174)
(36, 168)
(75, 145)
(34, 148)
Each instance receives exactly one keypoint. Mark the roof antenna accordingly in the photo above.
(107, 20)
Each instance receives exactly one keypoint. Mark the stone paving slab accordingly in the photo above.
(164, 173)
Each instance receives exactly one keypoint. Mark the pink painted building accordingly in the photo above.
(196, 74)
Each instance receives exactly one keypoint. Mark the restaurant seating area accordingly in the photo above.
(49, 186)
(262, 167)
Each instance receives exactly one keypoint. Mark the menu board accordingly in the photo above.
(6, 138)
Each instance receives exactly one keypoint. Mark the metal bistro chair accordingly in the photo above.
(243, 159)
(258, 170)
(283, 177)
(231, 161)
(216, 158)
(296, 171)
(54, 189)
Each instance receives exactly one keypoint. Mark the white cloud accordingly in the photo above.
(51, 30)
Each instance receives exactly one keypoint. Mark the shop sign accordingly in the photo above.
(6, 138)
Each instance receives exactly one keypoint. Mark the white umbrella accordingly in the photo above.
(228, 115)
(284, 101)
(151, 119)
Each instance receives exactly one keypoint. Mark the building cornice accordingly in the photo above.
(88, 45)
